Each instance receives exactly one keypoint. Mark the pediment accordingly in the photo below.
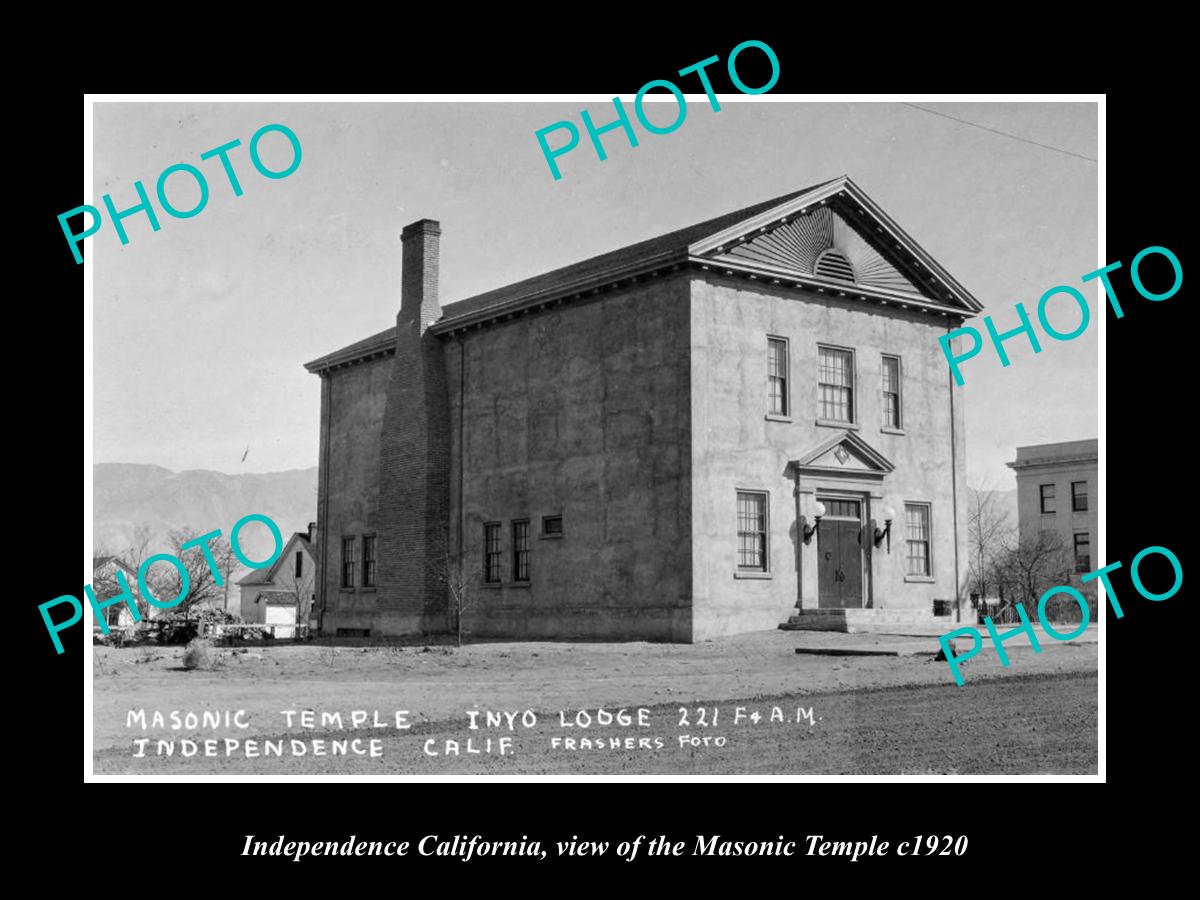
(836, 237)
(845, 452)
(823, 243)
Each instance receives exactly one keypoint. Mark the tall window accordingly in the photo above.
(836, 380)
(1083, 552)
(368, 560)
(348, 562)
(1079, 496)
(752, 531)
(1047, 493)
(916, 528)
(520, 532)
(491, 552)
(299, 564)
(891, 391)
(777, 376)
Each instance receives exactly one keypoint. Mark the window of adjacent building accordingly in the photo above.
(917, 535)
(552, 526)
(368, 560)
(491, 552)
(891, 391)
(752, 531)
(836, 382)
(1047, 495)
(348, 562)
(1083, 552)
(1079, 496)
(777, 376)
(299, 564)
(520, 550)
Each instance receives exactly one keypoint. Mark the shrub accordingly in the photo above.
(176, 631)
(198, 654)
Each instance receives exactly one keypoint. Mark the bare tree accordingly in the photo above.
(203, 587)
(136, 554)
(299, 587)
(1032, 566)
(988, 532)
(459, 578)
(139, 547)
(227, 564)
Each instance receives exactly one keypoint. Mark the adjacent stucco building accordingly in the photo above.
(1058, 491)
(635, 446)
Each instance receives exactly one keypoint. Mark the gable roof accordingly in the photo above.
(267, 576)
(904, 273)
(665, 245)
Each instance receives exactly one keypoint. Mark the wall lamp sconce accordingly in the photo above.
(810, 530)
(886, 532)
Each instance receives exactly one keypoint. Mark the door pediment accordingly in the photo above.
(845, 453)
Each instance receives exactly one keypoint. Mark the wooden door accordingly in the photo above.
(840, 556)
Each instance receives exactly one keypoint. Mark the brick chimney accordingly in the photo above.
(419, 275)
(414, 479)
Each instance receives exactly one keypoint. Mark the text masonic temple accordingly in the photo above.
(739, 425)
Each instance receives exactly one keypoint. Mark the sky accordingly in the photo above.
(201, 329)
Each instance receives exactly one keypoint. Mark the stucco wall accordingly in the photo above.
(734, 445)
(251, 611)
(357, 397)
(581, 412)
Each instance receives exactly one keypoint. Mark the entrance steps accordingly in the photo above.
(851, 621)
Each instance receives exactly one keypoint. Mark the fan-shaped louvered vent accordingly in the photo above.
(832, 263)
(818, 235)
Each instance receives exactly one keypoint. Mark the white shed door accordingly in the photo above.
(282, 617)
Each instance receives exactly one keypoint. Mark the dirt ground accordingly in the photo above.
(732, 706)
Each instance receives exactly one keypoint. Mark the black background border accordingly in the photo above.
(1144, 668)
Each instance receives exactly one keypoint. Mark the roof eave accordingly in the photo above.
(952, 283)
(591, 284)
(342, 358)
(830, 286)
(1016, 465)
(769, 217)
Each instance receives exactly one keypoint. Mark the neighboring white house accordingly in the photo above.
(104, 581)
(282, 595)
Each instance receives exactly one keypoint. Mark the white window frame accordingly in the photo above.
(853, 422)
(929, 561)
(786, 413)
(898, 428)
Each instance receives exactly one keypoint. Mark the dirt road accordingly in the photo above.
(871, 715)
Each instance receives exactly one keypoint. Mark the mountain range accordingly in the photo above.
(127, 495)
